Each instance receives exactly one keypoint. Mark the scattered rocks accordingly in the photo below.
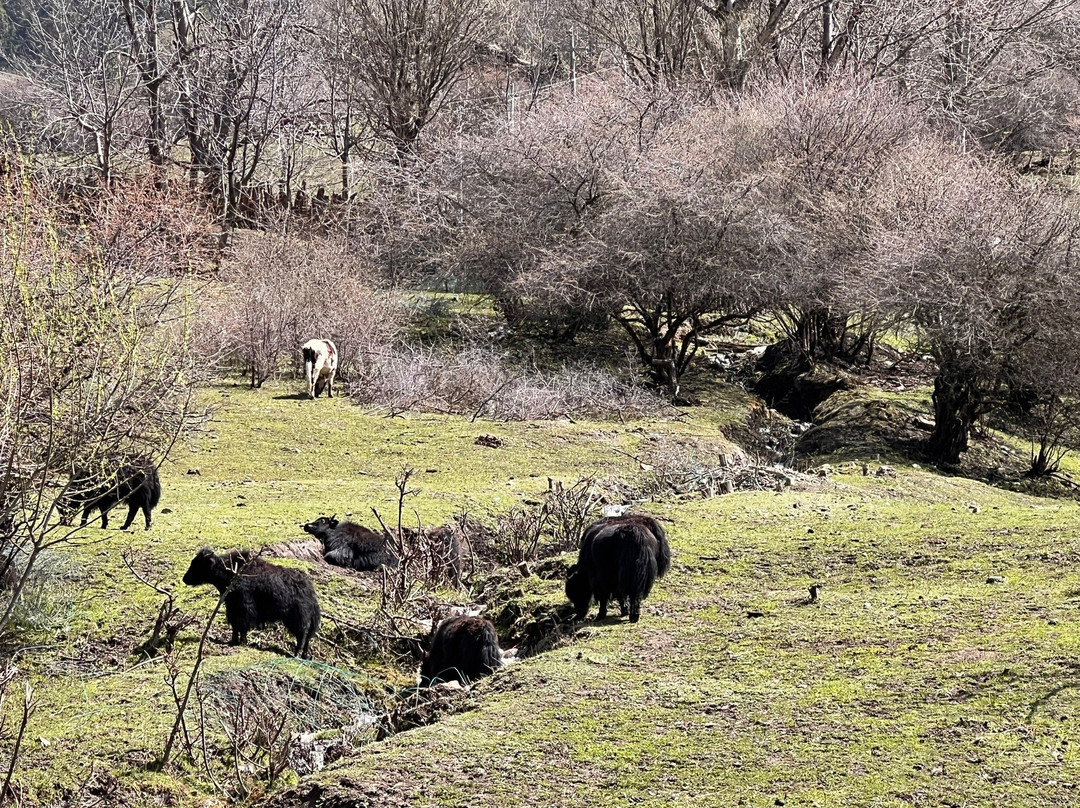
(995, 579)
(195, 472)
(488, 440)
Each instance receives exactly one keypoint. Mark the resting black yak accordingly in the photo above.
(134, 481)
(463, 648)
(350, 545)
(320, 365)
(621, 556)
(257, 594)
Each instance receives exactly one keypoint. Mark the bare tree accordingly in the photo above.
(145, 21)
(238, 82)
(629, 200)
(408, 54)
(982, 264)
(722, 43)
(88, 83)
(341, 113)
(827, 144)
(97, 356)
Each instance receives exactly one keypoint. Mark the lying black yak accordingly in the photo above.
(463, 648)
(257, 594)
(621, 556)
(350, 545)
(133, 481)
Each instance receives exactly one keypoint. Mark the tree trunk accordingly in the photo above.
(1040, 462)
(957, 403)
(663, 368)
(827, 21)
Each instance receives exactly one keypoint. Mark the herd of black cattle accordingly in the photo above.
(620, 557)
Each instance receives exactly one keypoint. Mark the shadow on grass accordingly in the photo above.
(293, 397)
(1043, 700)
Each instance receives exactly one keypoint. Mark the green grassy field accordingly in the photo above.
(912, 681)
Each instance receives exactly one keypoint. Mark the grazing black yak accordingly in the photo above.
(320, 365)
(350, 545)
(257, 594)
(134, 481)
(463, 648)
(621, 556)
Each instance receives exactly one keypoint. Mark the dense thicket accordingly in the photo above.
(841, 168)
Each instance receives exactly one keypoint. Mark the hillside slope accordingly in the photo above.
(911, 681)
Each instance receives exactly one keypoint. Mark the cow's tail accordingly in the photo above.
(309, 364)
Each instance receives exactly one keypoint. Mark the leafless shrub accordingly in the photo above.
(97, 358)
(479, 382)
(517, 534)
(571, 509)
(284, 290)
(539, 528)
(676, 467)
(170, 620)
(181, 689)
(256, 723)
(13, 726)
(440, 554)
(259, 740)
(1053, 428)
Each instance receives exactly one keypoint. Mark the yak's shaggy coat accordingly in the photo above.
(354, 546)
(621, 556)
(320, 365)
(463, 648)
(135, 482)
(257, 594)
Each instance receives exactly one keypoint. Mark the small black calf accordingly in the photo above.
(620, 556)
(257, 594)
(135, 481)
(463, 648)
(354, 546)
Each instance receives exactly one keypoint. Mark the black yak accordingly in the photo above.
(621, 556)
(134, 481)
(463, 648)
(320, 365)
(350, 545)
(257, 593)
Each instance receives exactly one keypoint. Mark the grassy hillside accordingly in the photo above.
(912, 681)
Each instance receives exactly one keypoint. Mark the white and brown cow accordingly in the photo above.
(320, 365)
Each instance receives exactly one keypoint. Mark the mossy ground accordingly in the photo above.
(912, 681)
